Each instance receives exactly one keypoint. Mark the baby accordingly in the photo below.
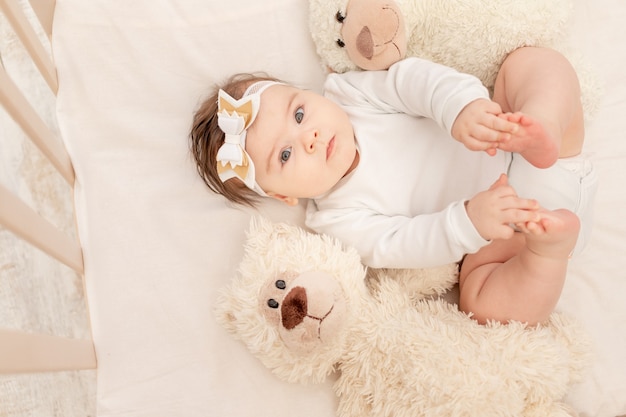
(374, 158)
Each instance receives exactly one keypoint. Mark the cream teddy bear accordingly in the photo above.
(472, 36)
(302, 305)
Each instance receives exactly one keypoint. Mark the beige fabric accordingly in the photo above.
(596, 284)
(158, 244)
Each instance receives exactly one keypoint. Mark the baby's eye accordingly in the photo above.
(299, 115)
(285, 154)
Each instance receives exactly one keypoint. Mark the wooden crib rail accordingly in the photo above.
(25, 352)
(22, 351)
(15, 215)
(27, 118)
(12, 98)
(44, 9)
(25, 32)
(23, 221)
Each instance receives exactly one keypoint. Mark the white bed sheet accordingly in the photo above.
(158, 244)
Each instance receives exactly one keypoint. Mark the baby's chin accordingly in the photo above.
(353, 163)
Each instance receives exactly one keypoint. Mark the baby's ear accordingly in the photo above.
(290, 201)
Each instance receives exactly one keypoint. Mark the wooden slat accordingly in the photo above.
(28, 352)
(44, 9)
(20, 351)
(20, 219)
(23, 29)
(27, 118)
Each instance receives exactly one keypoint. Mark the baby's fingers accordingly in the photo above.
(514, 202)
(532, 227)
(521, 217)
(477, 141)
(504, 125)
(483, 137)
(502, 181)
(521, 227)
(512, 117)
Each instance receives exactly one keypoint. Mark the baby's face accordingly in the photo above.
(301, 143)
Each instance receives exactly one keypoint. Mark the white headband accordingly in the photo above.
(234, 119)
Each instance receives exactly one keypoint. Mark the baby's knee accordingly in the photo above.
(527, 54)
(472, 280)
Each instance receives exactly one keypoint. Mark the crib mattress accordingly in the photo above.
(158, 245)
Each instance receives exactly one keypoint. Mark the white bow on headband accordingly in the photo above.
(234, 118)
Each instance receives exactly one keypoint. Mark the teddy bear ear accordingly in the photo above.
(260, 228)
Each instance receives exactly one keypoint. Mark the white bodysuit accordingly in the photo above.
(403, 205)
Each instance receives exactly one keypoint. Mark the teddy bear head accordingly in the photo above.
(365, 34)
(470, 36)
(292, 300)
(305, 306)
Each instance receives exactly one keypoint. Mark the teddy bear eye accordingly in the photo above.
(340, 17)
(280, 284)
(271, 303)
(341, 43)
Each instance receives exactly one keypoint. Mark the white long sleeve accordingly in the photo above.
(385, 241)
(402, 207)
(413, 86)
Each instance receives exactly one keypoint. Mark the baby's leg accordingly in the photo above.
(541, 85)
(520, 278)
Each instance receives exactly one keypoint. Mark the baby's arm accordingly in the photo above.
(479, 127)
(398, 241)
(493, 211)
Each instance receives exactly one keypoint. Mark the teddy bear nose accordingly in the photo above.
(365, 43)
(294, 308)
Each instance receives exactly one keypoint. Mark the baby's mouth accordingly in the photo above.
(330, 148)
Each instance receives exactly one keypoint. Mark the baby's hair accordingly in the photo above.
(206, 138)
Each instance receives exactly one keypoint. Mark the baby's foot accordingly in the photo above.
(554, 236)
(531, 140)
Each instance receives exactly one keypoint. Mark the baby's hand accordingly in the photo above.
(480, 128)
(493, 211)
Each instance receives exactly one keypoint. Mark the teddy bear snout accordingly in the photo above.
(365, 43)
(294, 308)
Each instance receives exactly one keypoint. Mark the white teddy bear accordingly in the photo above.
(301, 303)
(472, 36)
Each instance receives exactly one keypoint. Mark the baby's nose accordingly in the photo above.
(311, 140)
